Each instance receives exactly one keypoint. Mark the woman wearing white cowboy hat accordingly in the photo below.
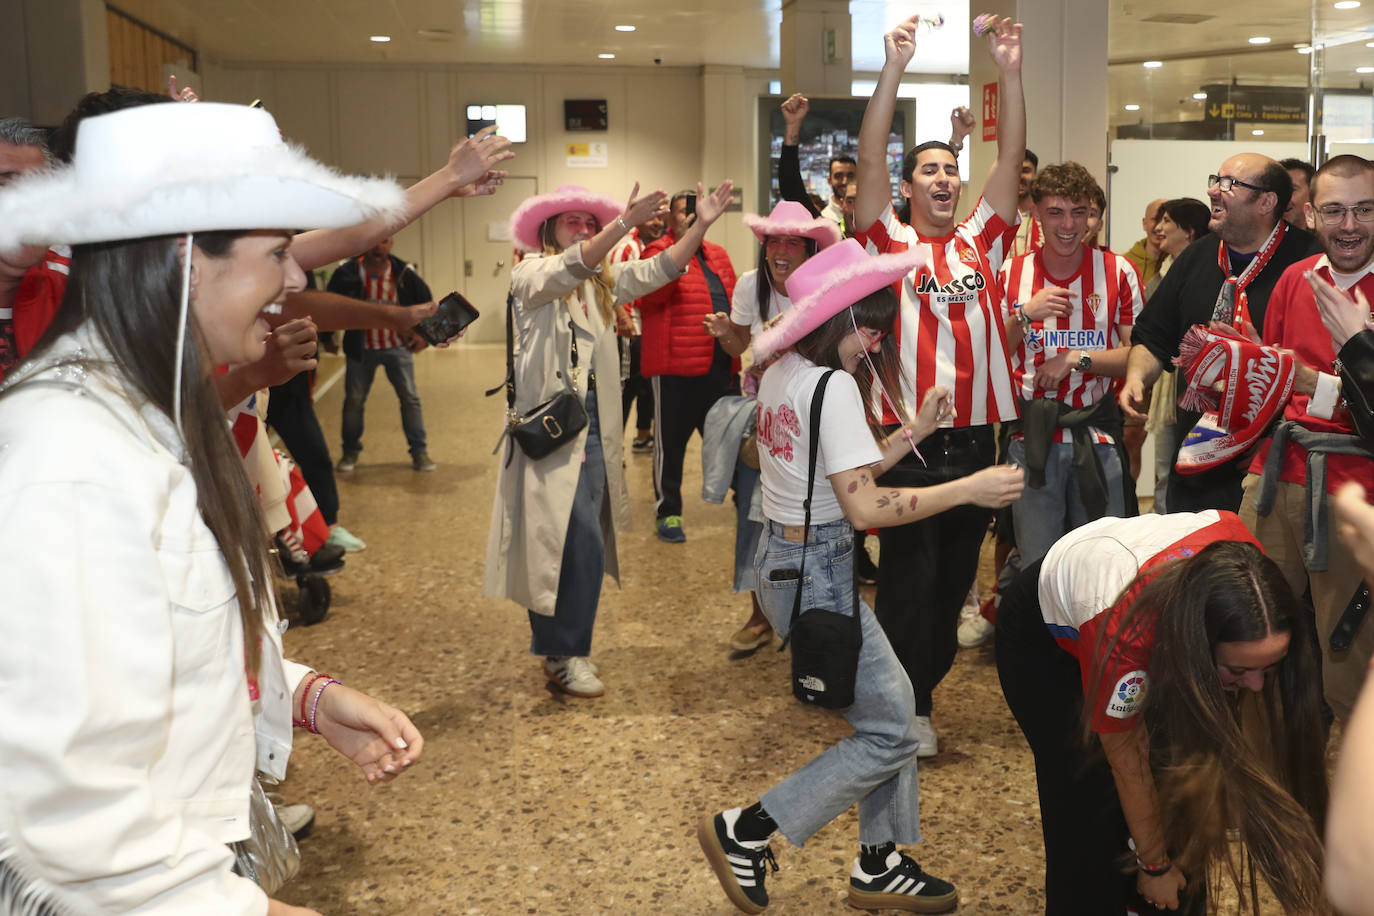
(144, 677)
(843, 308)
(554, 520)
(787, 237)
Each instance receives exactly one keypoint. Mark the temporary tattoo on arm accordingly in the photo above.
(914, 500)
(890, 497)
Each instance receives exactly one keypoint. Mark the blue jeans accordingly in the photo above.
(400, 371)
(875, 766)
(747, 533)
(1042, 516)
(569, 630)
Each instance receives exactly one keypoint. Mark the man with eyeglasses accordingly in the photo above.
(1227, 275)
(1315, 449)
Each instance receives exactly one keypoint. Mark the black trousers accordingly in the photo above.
(925, 568)
(1080, 814)
(680, 406)
(636, 390)
(291, 413)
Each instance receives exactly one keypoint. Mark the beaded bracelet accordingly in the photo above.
(314, 707)
(299, 721)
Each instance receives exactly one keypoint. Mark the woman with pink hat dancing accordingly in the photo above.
(787, 237)
(844, 308)
(553, 524)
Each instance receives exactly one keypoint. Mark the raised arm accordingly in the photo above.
(637, 210)
(875, 193)
(470, 171)
(1002, 188)
(709, 208)
(790, 183)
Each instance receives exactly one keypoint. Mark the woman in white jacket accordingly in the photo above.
(141, 674)
(553, 524)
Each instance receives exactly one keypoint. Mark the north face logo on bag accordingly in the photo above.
(811, 682)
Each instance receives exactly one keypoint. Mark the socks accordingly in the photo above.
(873, 859)
(754, 824)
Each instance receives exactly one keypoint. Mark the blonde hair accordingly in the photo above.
(601, 280)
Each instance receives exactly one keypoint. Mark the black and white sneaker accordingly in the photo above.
(902, 887)
(739, 866)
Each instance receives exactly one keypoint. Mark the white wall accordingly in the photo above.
(1150, 169)
(666, 125)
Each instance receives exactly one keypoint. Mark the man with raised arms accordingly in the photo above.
(949, 333)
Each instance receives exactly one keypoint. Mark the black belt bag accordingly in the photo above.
(825, 643)
(552, 424)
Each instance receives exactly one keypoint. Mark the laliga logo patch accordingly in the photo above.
(1128, 696)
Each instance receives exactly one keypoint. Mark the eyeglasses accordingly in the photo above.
(1225, 183)
(1334, 214)
(870, 338)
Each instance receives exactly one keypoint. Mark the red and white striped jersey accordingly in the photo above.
(629, 249)
(1106, 289)
(380, 288)
(949, 329)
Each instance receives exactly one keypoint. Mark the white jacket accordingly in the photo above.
(126, 732)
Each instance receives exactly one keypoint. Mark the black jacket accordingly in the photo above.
(348, 281)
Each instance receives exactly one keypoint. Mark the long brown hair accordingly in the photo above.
(1251, 761)
(130, 292)
(601, 280)
(878, 312)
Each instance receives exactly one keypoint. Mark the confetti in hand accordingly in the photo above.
(984, 23)
(931, 23)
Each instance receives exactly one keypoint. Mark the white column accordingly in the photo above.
(52, 52)
(814, 47)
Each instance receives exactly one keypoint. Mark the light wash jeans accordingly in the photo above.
(569, 630)
(400, 371)
(1042, 516)
(747, 533)
(875, 766)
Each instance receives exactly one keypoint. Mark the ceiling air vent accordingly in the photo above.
(1179, 18)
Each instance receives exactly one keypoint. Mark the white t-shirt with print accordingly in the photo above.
(744, 304)
(784, 425)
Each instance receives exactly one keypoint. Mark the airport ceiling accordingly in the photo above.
(1174, 33)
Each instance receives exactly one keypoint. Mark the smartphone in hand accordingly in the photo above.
(455, 313)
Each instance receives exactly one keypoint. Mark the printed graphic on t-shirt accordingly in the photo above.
(778, 430)
(1128, 697)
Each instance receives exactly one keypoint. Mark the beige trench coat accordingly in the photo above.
(529, 520)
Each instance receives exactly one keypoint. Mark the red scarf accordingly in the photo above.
(1232, 305)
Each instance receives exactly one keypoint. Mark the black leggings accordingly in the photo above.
(1080, 815)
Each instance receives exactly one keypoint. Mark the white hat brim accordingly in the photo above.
(276, 188)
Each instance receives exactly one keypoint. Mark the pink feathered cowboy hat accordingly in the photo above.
(829, 282)
(791, 218)
(530, 215)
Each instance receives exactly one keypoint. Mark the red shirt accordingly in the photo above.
(1291, 320)
(949, 330)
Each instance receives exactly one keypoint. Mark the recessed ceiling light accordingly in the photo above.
(380, 39)
(1132, 107)
(1153, 64)
(1364, 69)
(630, 28)
(1347, 4)
(1200, 96)
(1260, 40)
(1257, 133)
(606, 56)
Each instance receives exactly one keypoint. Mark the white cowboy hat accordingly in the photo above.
(175, 168)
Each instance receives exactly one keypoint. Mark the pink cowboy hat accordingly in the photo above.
(791, 218)
(826, 284)
(530, 215)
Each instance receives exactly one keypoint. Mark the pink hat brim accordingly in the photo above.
(840, 288)
(531, 214)
(823, 231)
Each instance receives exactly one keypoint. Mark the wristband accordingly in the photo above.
(622, 224)
(315, 707)
(300, 721)
(1024, 318)
(1158, 870)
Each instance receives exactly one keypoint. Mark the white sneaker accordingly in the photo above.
(927, 745)
(974, 628)
(575, 675)
(299, 819)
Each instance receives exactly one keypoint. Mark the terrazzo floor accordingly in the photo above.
(527, 801)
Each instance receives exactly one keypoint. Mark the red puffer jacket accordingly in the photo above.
(674, 341)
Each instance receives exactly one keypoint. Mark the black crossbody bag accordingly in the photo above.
(552, 424)
(825, 643)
